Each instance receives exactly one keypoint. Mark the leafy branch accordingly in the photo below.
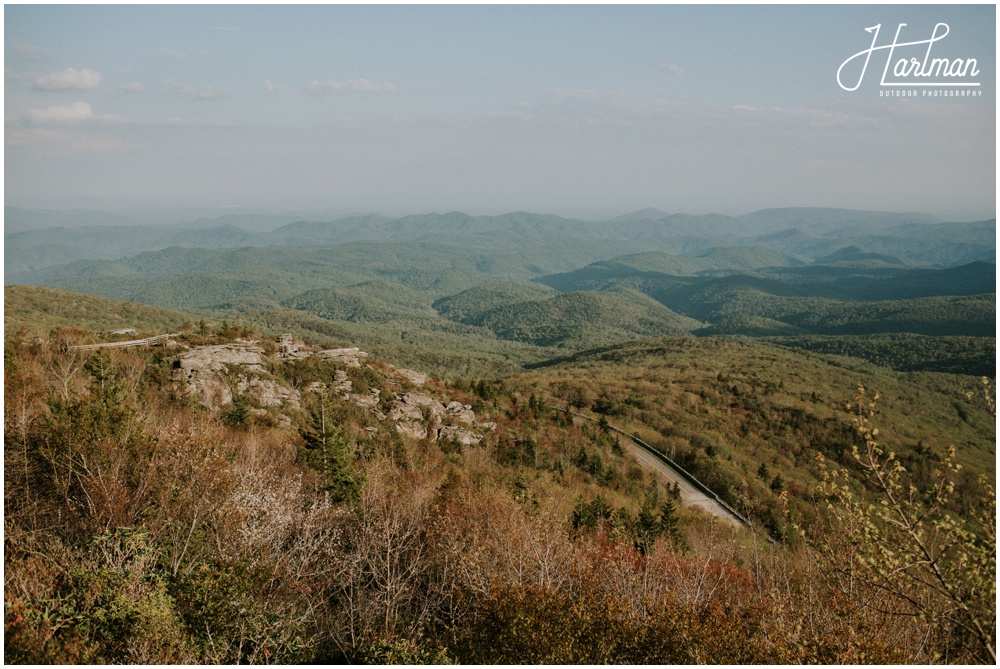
(901, 543)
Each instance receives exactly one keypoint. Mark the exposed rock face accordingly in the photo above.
(461, 413)
(215, 358)
(200, 371)
(416, 378)
(410, 405)
(268, 393)
(341, 381)
(288, 349)
(349, 356)
(459, 435)
(408, 411)
(210, 388)
(206, 372)
(412, 429)
(369, 400)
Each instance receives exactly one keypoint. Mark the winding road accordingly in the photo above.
(693, 492)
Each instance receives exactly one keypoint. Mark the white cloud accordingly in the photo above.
(670, 68)
(74, 112)
(70, 79)
(18, 135)
(332, 86)
(31, 51)
(816, 117)
(350, 86)
(99, 144)
(197, 92)
(172, 53)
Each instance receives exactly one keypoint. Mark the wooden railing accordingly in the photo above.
(149, 341)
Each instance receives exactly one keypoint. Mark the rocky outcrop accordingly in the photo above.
(213, 373)
(216, 358)
(459, 435)
(202, 372)
(341, 382)
(349, 356)
(288, 349)
(461, 412)
(416, 378)
(412, 429)
(421, 416)
(268, 393)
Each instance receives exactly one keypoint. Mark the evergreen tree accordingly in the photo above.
(239, 415)
(100, 368)
(602, 423)
(777, 483)
(327, 451)
(668, 520)
(647, 528)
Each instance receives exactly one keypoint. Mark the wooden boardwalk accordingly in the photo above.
(149, 341)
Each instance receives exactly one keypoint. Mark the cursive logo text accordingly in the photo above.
(911, 70)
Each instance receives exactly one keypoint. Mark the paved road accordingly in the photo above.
(690, 496)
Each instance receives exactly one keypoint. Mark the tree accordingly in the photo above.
(327, 451)
(778, 482)
(910, 555)
(239, 415)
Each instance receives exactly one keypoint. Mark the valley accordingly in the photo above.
(521, 288)
(432, 439)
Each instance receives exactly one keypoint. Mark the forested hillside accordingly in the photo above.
(163, 505)
(478, 294)
(38, 239)
(513, 439)
(473, 294)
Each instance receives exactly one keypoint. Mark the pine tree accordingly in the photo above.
(668, 520)
(327, 451)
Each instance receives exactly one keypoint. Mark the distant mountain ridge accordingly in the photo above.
(804, 233)
(496, 292)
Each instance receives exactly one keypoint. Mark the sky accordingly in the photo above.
(585, 111)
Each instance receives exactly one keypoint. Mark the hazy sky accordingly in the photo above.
(577, 110)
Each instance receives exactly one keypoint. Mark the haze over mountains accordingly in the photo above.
(520, 288)
(40, 239)
(729, 344)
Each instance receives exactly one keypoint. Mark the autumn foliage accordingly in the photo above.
(141, 528)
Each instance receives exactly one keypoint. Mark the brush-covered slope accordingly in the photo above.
(39, 310)
(728, 409)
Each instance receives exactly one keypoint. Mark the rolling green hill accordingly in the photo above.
(685, 393)
(581, 319)
(908, 352)
(425, 282)
(468, 304)
(39, 310)
(371, 301)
